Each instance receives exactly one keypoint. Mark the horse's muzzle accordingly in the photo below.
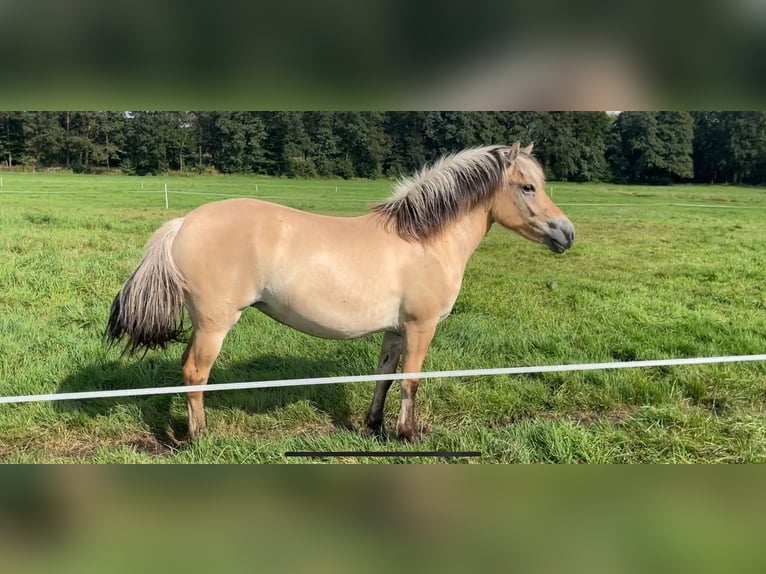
(560, 234)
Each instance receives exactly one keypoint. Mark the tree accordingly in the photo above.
(730, 147)
(555, 144)
(636, 147)
(747, 140)
(653, 147)
(232, 140)
(12, 138)
(363, 143)
(80, 140)
(590, 133)
(675, 132)
(286, 145)
(44, 138)
(154, 141)
(711, 147)
(323, 151)
(408, 147)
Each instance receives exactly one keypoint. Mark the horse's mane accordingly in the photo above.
(425, 203)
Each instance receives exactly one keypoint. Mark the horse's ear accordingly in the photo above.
(510, 154)
(528, 150)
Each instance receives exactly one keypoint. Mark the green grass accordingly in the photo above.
(651, 276)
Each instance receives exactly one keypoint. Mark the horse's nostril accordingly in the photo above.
(561, 228)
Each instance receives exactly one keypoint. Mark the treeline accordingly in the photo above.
(634, 147)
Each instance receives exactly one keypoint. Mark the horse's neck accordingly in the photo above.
(457, 243)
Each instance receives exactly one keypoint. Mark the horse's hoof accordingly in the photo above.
(195, 431)
(407, 434)
(375, 429)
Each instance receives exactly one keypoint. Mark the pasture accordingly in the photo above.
(656, 272)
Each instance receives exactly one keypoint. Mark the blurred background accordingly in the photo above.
(392, 54)
(375, 519)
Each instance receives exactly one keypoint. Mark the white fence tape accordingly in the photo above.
(369, 378)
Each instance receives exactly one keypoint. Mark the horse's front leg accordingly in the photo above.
(417, 338)
(390, 353)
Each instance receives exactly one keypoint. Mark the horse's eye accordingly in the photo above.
(528, 189)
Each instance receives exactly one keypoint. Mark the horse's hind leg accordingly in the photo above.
(199, 357)
(390, 353)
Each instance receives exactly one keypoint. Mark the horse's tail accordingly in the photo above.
(148, 310)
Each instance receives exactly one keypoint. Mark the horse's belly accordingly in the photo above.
(328, 323)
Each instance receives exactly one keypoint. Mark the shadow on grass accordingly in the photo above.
(168, 424)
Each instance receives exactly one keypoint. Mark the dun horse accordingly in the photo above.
(397, 269)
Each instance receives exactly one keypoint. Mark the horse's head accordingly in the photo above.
(522, 205)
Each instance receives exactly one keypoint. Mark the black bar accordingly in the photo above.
(381, 453)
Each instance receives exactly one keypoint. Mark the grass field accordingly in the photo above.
(655, 273)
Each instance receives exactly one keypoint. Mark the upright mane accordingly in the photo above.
(425, 203)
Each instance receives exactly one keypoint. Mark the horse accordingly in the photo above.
(397, 269)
